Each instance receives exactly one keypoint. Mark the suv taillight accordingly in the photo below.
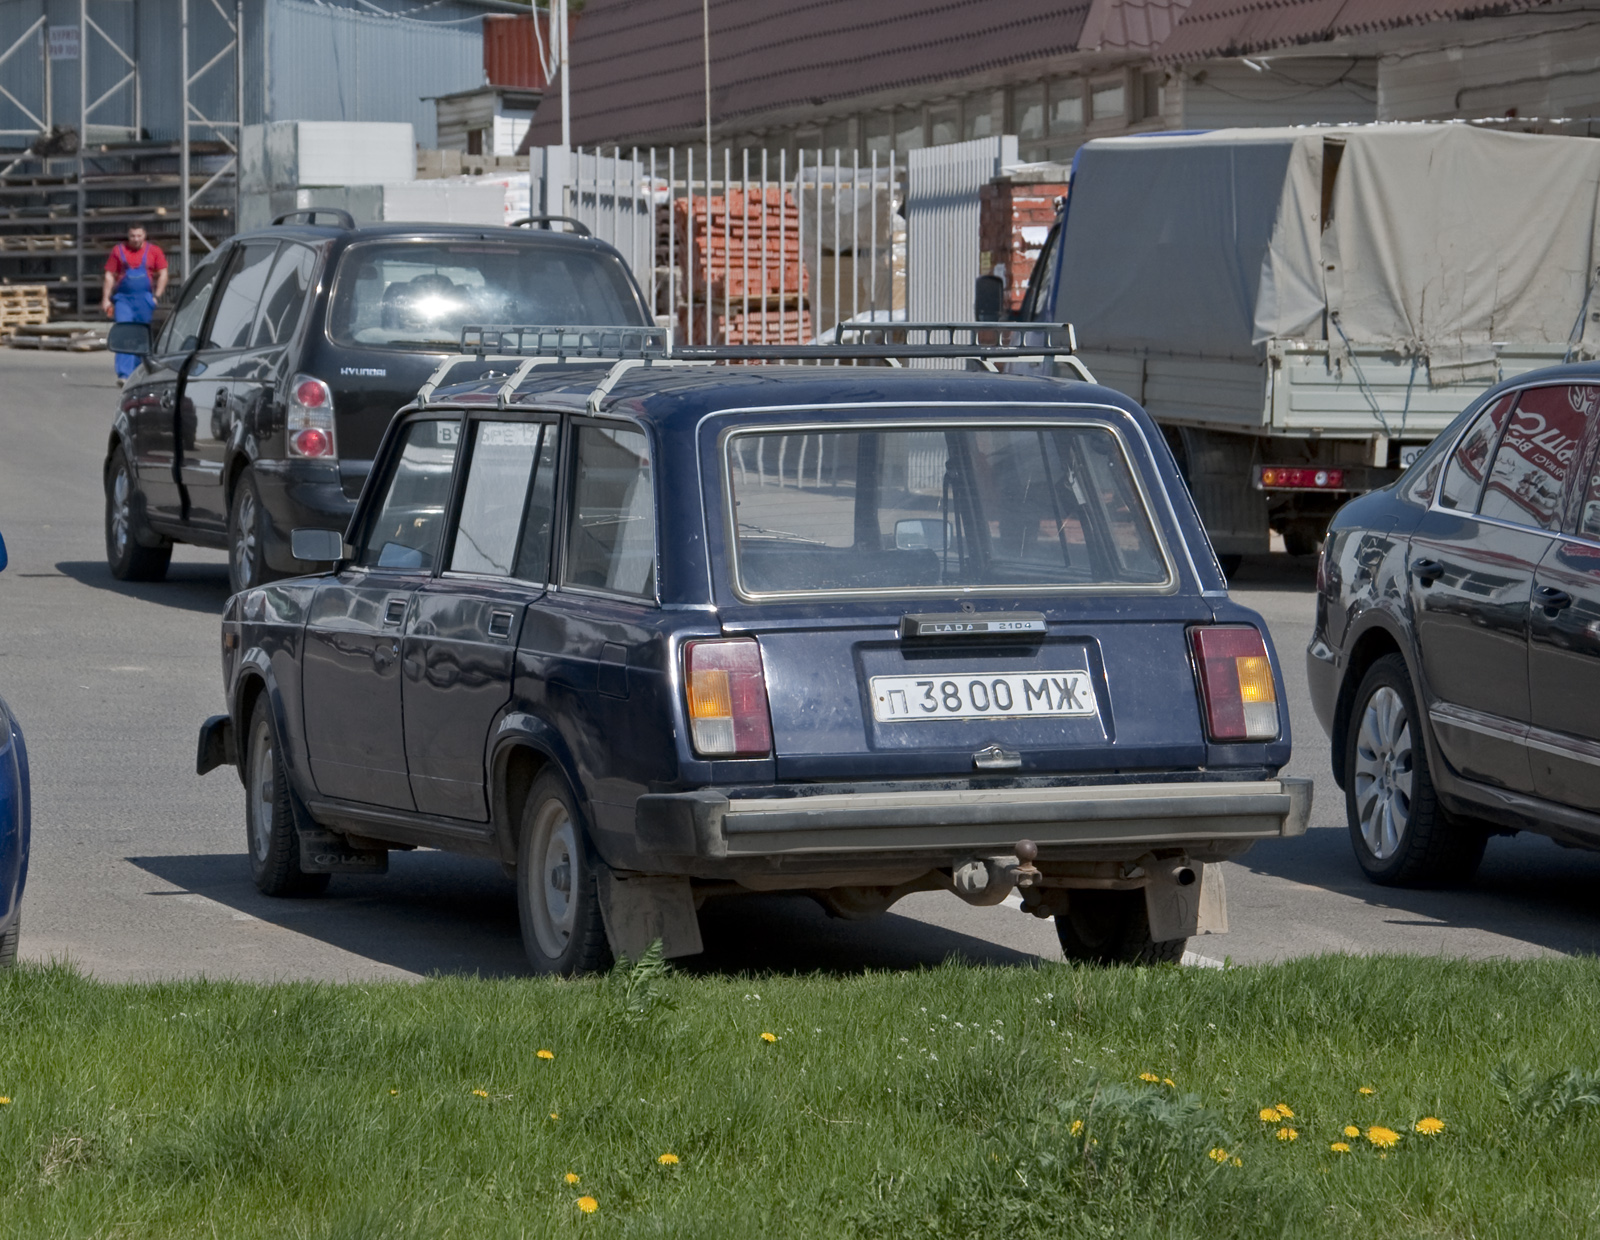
(309, 418)
(727, 689)
(1236, 687)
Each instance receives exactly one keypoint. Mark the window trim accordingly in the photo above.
(565, 496)
(1170, 585)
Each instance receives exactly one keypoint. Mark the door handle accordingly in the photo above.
(500, 623)
(384, 655)
(1427, 571)
(1550, 598)
(395, 611)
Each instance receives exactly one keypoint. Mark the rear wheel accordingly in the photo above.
(127, 558)
(558, 901)
(247, 565)
(269, 821)
(1112, 927)
(1401, 835)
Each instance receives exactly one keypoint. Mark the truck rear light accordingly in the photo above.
(308, 419)
(1236, 685)
(727, 689)
(1298, 478)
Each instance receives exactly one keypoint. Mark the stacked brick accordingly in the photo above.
(1013, 220)
(740, 251)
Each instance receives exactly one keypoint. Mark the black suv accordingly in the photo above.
(261, 402)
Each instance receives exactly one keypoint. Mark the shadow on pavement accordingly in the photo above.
(1528, 888)
(188, 587)
(440, 913)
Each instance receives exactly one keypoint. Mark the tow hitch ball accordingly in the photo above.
(989, 880)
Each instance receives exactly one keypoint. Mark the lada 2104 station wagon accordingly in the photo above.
(649, 633)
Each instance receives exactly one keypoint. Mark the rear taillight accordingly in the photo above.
(309, 418)
(1298, 478)
(727, 690)
(1236, 684)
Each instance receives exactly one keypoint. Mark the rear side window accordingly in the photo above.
(410, 295)
(504, 528)
(287, 289)
(1535, 454)
(182, 331)
(1469, 463)
(405, 533)
(611, 537)
(240, 297)
(936, 509)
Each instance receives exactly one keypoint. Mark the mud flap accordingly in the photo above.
(1213, 901)
(1172, 899)
(638, 911)
(323, 852)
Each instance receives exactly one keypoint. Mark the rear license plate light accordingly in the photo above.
(1236, 684)
(727, 697)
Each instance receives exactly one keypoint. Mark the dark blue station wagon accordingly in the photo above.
(650, 633)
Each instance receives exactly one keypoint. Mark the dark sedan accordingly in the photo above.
(1456, 657)
(14, 825)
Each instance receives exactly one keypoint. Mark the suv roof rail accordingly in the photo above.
(346, 220)
(579, 228)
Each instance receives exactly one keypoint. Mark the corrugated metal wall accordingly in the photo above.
(338, 64)
(511, 50)
(942, 210)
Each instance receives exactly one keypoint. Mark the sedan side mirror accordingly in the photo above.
(922, 534)
(130, 338)
(317, 546)
(988, 298)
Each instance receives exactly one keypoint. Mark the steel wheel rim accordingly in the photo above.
(262, 794)
(552, 878)
(119, 510)
(244, 538)
(1385, 774)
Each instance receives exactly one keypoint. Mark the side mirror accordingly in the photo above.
(921, 534)
(130, 338)
(988, 298)
(317, 546)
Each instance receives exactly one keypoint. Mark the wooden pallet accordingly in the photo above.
(72, 337)
(24, 305)
(37, 243)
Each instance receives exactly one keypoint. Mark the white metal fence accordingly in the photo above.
(943, 206)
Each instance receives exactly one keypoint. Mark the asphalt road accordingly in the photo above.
(139, 871)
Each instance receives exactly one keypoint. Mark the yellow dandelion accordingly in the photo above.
(555, 1115)
(571, 1177)
(1237, 1161)
(668, 1160)
(1430, 1127)
(769, 1037)
(1366, 1089)
(1283, 1111)
(1151, 1077)
(1269, 1115)
(588, 1205)
(1218, 1155)
(544, 1054)
(5, 1102)
(480, 1093)
(1340, 1147)
(1076, 1127)
(1383, 1137)
(393, 1092)
(1288, 1134)
(1350, 1130)
(1168, 1081)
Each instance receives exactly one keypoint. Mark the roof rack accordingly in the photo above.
(626, 348)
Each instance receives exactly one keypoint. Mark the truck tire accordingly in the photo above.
(1303, 537)
(1402, 836)
(8, 941)
(1112, 927)
(128, 559)
(558, 900)
(270, 834)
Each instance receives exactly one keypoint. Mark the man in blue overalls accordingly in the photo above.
(136, 276)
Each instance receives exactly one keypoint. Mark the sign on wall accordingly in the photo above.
(63, 43)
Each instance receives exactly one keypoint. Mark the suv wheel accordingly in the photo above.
(247, 566)
(127, 558)
(269, 821)
(1112, 927)
(557, 899)
(1401, 835)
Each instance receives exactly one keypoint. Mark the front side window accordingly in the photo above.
(410, 295)
(1531, 464)
(405, 533)
(504, 528)
(1469, 463)
(240, 297)
(938, 509)
(182, 332)
(611, 537)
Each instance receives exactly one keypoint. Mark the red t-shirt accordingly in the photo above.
(154, 259)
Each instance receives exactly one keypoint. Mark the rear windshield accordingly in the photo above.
(419, 295)
(937, 509)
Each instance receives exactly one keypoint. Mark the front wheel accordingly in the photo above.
(558, 902)
(127, 558)
(269, 820)
(1401, 835)
(1112, 927)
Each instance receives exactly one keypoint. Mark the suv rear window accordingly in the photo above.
(935, 509)
(420, 294)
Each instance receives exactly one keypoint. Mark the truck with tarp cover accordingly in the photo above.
(1303, 309)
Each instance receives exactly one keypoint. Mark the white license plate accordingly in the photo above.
(973, 695)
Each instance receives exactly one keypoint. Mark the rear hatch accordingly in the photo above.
(962, 599)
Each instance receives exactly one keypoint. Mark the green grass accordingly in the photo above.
(939, 1103)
